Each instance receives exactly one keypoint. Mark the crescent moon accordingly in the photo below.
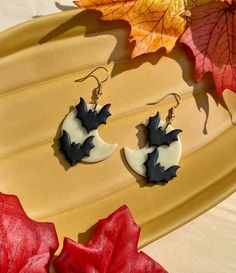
(73, 126)
(168, 155)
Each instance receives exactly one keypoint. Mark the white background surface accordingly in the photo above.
(205, 245)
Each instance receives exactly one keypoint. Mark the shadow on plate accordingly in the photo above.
(120, 56)
(202, 89)
(60, 7)
(65, 7)
(85, 237)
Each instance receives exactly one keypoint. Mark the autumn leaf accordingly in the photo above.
(212, 39)
(154, 23)
(113, 249)
(26, 246)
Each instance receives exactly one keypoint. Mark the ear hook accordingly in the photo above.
(90, 74)
(98, 90)
(170, 117)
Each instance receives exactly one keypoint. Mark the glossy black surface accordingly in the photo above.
(157, 136)
(75, 152)
(91, 119)
(155, 172)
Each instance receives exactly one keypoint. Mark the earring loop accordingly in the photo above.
(98, 90)
(171, 115)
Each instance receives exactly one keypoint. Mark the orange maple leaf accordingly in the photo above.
(154, 23)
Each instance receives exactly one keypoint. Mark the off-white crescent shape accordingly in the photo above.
(168, 155)
(73, 126)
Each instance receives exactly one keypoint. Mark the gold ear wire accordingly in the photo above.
(170, 117)
(98, 90)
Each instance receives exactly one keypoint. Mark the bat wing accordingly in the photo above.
(75, 152)
(152, 129)
(84, 115)
(65, 144)
(82, 109)
(155, 172)
(154, 122)
(169, 173)
(157, 135)
(91, 119)
(104, 114)
(172, 136)
(87, 146)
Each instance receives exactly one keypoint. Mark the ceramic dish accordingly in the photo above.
(39, 63)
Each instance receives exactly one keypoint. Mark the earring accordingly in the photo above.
(80, 140)
(159, 158)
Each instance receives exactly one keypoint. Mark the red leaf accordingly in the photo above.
(113, 249)
(212, 39)
(25, 245)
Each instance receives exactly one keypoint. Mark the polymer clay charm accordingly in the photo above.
(158, 160)
(91, 119)
(80, 140)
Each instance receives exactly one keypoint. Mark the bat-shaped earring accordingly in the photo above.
(158, 160)
(79, 139)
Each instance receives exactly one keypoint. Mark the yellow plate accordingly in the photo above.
(40, 61)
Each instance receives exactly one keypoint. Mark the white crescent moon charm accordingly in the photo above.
(158, 160)
(80, 140)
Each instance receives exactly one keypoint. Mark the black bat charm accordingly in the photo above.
(75, 152)
(91, 119)
(157, 135)
(155, 172)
